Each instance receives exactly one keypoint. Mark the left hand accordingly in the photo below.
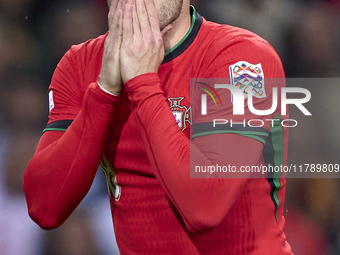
(142, 49)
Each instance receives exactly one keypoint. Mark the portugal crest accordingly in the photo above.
(181, 113)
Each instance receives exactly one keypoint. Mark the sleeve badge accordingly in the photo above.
(248, 77)
(51, 102)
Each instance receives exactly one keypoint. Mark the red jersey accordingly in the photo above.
(156, 207)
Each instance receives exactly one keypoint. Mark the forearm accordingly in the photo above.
(203, 203)
(64, 165)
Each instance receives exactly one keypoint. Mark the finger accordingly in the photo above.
(153, 16)
(143, 17)
(127, 25)
(114, 16)
(136, 26)
(120, 28)
(112, 11)
(114, 4)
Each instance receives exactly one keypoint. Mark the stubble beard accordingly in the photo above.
(168, 11)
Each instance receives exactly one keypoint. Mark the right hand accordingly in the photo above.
(110, 75)
(142, 48)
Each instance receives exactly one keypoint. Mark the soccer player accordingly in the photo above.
(113, 100)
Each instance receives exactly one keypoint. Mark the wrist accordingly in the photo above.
(108, 89)
(102, 96)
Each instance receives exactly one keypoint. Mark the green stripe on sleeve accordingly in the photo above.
(59, 125)
(54, 129)
(250, 134)
(277, 140)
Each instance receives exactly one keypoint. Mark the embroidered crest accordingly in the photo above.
(247, 77)
(181, 113)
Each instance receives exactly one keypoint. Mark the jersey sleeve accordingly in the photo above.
(64, 165)
(249, 66)
(65, 96)
(202, 202)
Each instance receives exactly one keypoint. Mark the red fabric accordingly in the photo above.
(64, 165)
(161, 210)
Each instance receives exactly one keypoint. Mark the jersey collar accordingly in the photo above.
(187, 40)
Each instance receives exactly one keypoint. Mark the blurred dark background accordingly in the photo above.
(34, 34)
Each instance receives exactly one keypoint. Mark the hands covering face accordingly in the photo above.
(134, 45)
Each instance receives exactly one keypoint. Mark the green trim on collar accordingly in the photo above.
(187, 34)
(187, 40)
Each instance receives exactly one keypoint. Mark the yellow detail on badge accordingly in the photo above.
(111, 179)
